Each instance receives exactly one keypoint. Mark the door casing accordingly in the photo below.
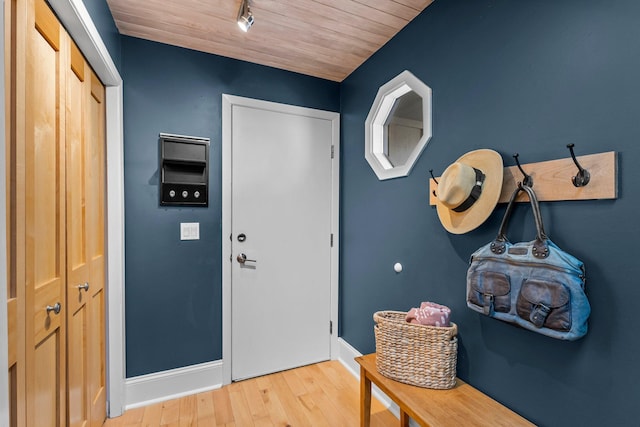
(228, 101)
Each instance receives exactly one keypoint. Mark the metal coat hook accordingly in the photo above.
(434, 178)
(527, 180)
(582, 177)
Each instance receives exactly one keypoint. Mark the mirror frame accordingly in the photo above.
(388, 93)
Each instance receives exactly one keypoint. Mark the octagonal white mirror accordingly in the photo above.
(398, 126)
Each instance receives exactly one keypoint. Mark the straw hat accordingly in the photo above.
(468, 190)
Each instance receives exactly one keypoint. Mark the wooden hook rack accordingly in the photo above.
(552, 179)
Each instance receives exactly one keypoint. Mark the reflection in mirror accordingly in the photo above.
(404, 128)
(398, 126)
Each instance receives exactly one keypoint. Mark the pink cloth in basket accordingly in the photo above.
(430, 314)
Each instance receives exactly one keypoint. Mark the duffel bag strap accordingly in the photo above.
(540, 249)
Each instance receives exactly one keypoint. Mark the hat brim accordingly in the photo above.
(490, 163)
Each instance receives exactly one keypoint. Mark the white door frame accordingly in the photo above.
(228, 101)
(76, 19)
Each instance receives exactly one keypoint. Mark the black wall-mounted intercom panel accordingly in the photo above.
(184, 170)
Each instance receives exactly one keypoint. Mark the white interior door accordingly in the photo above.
(281, 223)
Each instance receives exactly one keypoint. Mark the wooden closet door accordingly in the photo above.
(85, 244)
(56, 204)
(14, 83)
(78, 266)
(96, 194)
(43, 162)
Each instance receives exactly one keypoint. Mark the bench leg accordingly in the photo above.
(404, 419)
(365, 399)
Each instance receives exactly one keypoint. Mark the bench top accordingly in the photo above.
(462, 405)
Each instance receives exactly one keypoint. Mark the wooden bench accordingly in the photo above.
(462, 405)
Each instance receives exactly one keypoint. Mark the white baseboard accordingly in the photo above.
(160, 386)
(346, 356)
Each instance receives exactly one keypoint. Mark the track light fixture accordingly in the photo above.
(245, 17)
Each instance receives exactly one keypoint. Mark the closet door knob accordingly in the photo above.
(55, 308)
(85, 287)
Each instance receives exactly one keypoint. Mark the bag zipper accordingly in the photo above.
(528, 264)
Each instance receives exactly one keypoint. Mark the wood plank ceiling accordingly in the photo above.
(328, 39)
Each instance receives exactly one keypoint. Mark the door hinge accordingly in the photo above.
(332, 151)
(330, 327)
(331, 240)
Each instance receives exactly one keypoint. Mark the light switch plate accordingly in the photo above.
(189, 231)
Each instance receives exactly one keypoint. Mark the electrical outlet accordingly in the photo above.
(189, 231)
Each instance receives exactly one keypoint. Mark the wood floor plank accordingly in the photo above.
(188, 411)
(240, 406)
(133, 417)
(319, 395)
(334, 410)
(339, 393)
(308, 380)
(205, 411)
(152, 416)
(335, 372)
(253, 395)
(170, 413)
(263, 422)
(295, 412)
(222, 406)
(294, 382)
(338, 403)
(313, 412)
(271, 401)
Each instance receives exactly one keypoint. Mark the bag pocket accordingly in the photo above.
(545, 303)
(490, 290)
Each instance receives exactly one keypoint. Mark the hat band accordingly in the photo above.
(474, 195)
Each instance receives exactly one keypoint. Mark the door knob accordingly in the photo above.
(55, 308)
(85, 286)
(242, 258)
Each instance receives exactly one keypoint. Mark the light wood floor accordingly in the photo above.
(324, 394)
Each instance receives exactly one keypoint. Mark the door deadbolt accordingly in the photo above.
(242, 237)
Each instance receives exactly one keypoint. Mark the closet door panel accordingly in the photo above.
(44, 171)
(96, 192)
(15, 23)
(78, 415)
(85, 244)
(77, 238)
(44, 408)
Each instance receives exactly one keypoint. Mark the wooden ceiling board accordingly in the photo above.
(414, 4)
(328, 39)
(360, 10)
(329, 19)
(303, 65)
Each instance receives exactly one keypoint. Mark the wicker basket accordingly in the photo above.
(420, 355)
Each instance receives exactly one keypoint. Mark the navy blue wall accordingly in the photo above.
(173, 288)
(514, 76)
(103, 20)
